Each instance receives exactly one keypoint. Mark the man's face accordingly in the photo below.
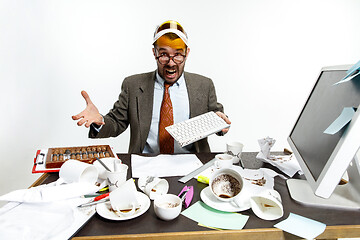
(171, 71)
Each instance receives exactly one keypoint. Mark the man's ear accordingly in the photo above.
(187, 51)
(154, 52)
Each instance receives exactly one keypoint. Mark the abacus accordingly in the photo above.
(57, 156)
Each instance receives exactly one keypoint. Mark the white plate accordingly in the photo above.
(210, 200)
(105, 211)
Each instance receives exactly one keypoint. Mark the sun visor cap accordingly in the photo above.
(170, 27)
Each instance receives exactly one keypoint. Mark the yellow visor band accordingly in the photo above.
(177, 43)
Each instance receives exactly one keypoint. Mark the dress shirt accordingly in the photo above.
(181, 110)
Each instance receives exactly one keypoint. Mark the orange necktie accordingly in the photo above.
(166, 141)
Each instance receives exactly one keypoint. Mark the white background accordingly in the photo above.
(263, 56)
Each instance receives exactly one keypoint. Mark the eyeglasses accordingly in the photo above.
(164, 58)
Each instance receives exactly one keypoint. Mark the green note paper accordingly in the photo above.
(205, 215)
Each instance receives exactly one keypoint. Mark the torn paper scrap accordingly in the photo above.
(265, 146)
(286, 163)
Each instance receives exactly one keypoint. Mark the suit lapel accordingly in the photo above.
(145, 100)
(193, 90)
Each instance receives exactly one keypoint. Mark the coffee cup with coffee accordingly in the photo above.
(153, 186)
(123, 199)
(267, 205)
(116, 178)
(235, 149)
(227, 185)
(223, 161)
(167, 206)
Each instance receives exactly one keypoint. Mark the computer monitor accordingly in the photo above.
(325, 158)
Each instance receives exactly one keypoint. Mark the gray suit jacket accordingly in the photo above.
(135, 105)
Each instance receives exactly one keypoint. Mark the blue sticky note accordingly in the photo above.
(351, 73)
(301, 226)
(340, 122)
(353, 69)
(213, 218)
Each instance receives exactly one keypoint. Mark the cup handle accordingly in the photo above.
(241, 199)
(117, 163)
(216, 164)
(237, 202)
(126, 214)
(59, 181)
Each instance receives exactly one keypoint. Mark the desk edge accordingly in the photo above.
(331, 232)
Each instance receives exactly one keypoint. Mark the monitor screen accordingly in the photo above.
(324, 105)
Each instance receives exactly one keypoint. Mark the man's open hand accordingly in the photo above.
(90, 114)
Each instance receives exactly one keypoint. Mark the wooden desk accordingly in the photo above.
(340, 223)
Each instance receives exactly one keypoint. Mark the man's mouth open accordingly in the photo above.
(170, 73)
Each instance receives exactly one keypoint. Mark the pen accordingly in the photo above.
(104, 189)
(94, 203)
(91, 195)
(101, 162)
(101, 197)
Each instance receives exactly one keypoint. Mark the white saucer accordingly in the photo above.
(210, 200)
(105, 210)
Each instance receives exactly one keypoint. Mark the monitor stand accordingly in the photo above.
(345, 196)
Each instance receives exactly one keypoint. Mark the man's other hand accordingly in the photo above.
(226, 119)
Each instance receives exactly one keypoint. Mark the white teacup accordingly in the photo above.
(236, 149)
(167, 207)
(267, 205)
(223, 160)
(153, 186)
(227, 185)
(123, 199)
(116, 178)
(110, 162)
(76, 171)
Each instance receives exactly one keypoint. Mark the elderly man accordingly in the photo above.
(151, 101)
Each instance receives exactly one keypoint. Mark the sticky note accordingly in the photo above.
(351, 73)
(210, 217)
(301, 226)
(340, 122)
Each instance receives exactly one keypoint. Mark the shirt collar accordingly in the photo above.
(161, 81)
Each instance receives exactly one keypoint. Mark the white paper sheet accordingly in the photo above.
(301, 226)
(164, 165)
(287, 164)
(50, 192)
(57, 220)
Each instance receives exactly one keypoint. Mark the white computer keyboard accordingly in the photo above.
(196, 128)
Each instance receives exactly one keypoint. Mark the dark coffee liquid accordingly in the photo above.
(224, 196)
